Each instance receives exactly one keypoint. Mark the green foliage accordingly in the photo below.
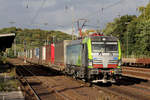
(2, 58)
(9, 83)
(11, 53)
(133, 32)
(30, 38)
(119, 29)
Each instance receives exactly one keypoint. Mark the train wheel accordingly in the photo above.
(67, 71)
(90, 84)
(74, 76)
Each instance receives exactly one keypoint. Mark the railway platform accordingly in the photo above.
(14, 95)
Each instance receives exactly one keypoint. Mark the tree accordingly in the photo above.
(134, 31)
(119, 28)
(34, 37)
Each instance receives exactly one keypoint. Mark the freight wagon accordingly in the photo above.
(137, 62)
(42, 55)
(60, 54)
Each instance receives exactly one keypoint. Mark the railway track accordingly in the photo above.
(73, 91)
(129, 88)
(28, 87)
(126, 89)
(143, 73)
(39, 88)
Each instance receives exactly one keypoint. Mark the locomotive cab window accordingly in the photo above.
(111, 47)
(98, 48)
(104, 47)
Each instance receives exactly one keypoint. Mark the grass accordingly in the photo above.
(7, 79)
(9, 85)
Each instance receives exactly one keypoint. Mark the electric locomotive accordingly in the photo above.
(94, 58)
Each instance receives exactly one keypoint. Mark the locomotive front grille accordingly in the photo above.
(97, 62)
(113, 61)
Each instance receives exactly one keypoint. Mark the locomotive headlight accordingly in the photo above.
(104, 39)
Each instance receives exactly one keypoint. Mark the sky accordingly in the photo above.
(63, 14)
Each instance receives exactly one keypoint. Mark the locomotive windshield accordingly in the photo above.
(104, 47)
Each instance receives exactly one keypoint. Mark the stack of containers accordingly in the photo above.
(30, 54)
(33, 55)
(44, 55)
(40, 55)
(48, 54)
(60, 54)
(36, 51)
(52, 53)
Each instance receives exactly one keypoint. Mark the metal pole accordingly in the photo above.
(100, 15)
(127, 38)
(24, 51)
(127, 43)
(80, 29)
(3, 97)
(47, 40)
(53, 39)
(27, 6)
(72, 24)
(14, 47)
(12, 22)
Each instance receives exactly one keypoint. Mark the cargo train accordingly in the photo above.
(93, 58)
(136, 62)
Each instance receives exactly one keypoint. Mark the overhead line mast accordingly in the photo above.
(27, 6)
(73, 19)
(80, 28)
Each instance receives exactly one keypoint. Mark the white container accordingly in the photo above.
(43, 53)
(30, 53)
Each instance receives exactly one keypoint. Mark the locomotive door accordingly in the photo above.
(84, 58)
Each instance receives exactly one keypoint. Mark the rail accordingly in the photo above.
(143, 73)
(44, 84)
(33, 91)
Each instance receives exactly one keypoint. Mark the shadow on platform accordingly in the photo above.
(125, 81)
(37, 70)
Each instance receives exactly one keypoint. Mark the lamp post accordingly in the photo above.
(12, 22)
(127, 23)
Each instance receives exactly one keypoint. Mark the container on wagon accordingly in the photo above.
(60, 53)
(36, 56)
(30, 53)
(33, 55)
(43, 54)
(37, 53)
(40, 55)
(48, 54)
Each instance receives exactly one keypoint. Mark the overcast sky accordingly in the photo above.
(59, 14)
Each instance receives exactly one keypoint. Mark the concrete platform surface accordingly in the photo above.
(14, 95)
